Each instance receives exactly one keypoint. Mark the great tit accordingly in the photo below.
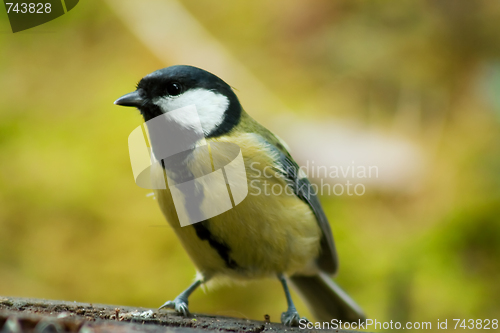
(280, 235)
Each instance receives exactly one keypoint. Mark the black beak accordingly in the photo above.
(130, 99)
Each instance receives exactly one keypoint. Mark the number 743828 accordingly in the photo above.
(477, 324)
(32, 8)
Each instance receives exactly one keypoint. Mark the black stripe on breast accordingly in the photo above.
(222, 249)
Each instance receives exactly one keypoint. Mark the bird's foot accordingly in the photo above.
(178, 304)
(291, 318)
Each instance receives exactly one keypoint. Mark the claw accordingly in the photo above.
(290, 318)
(179, 305)
(168, 305)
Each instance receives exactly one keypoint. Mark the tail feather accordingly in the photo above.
(326, 299)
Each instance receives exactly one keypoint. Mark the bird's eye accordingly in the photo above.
(174, 88)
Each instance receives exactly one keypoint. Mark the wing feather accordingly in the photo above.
(327, 260)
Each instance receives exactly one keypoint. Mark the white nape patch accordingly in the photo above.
(210, 105)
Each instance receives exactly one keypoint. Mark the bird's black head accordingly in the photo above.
(175, 87)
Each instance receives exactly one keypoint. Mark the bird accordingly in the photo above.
(285, 236)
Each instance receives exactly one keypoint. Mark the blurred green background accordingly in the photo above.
(74, 226)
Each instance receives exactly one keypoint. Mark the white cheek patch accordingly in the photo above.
(210, 105)
(186, 117)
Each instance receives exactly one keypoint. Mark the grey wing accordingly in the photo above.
(327, 260)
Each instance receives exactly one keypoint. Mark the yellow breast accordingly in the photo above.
(271, 231)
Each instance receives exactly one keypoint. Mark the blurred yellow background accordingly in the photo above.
(423, 76)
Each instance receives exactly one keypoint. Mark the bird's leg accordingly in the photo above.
(180, 303)
(291, 316)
